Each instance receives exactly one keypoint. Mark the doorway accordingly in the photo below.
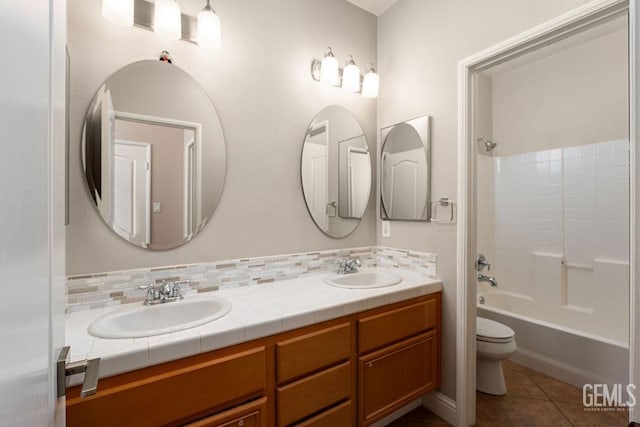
(497, 202)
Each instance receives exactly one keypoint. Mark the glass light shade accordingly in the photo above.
(351, 78)
(329, 71)
(119, 12)
(209, 29)
(167, 21)
(370, 85)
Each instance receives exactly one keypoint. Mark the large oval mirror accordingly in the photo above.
(336, 171)
(405, 171)
(153, 155)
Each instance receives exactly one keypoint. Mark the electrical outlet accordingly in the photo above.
(157, 207)
(386, 228)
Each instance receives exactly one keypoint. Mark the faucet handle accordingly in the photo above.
(145, 287)
(481, 263)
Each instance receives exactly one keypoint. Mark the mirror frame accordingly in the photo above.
(422, 126)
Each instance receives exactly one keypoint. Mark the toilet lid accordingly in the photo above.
(492, 331)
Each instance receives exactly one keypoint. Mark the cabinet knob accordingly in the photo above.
(241, 422)
(370, 365)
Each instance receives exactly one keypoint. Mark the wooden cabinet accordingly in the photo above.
(399, 357)
(337, 416)
(395, 375)
(313, 351)
(252, 414)
(169, 394)
(349, 371)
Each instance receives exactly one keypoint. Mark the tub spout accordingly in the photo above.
(483, 278)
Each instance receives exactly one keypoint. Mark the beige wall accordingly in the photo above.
(574, 97)
(419, 45)
(261, 87)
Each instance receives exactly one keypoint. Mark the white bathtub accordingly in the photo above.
(572, 355)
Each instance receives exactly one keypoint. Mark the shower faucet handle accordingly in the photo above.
(481, 263)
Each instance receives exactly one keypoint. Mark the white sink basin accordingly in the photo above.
(145, 321)
(363, 279)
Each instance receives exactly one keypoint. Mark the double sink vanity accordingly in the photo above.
(321, 349)
(337, 349)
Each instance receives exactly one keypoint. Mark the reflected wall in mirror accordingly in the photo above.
(405, 181)
(336, 171)
(153, 155)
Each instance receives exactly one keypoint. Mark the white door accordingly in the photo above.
(32, 164)
(315, 178)
(132, 191)
(404, 183)
(359, 181)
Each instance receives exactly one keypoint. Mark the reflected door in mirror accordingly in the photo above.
(404, 171)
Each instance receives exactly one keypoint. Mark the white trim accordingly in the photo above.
(441, 405)
(549, 32)
(634, 199)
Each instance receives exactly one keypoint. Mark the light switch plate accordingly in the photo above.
(386, 228)
(157, 207)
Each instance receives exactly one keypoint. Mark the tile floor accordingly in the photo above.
(533, 400)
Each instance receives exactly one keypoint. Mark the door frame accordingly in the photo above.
(555, 29)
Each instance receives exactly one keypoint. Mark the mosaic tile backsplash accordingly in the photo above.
(99, 290)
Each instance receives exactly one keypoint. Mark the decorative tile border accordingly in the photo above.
(85, 292)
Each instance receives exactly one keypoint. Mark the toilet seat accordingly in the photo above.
(491, 331)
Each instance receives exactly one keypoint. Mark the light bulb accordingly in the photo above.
(329, 70)
(209, 28)
(370, 83)
(167, 21)
(119, 12)
(351, 76)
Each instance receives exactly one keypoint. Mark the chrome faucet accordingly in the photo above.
(489, 279)
(349, 266)
(163, 291)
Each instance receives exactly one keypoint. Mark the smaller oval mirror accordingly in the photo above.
(405, 180)
(336, 171)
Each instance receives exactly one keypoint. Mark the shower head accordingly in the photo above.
(486, 145)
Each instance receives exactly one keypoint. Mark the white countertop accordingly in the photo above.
(257, 311)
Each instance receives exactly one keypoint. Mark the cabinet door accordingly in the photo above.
(395, 375)
(252, 414)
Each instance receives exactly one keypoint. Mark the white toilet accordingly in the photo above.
(495, 342)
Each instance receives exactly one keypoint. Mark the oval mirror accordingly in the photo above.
(405, 171)
(153, 155)
(336, 171)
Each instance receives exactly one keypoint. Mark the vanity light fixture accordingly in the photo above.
(329, 73)
(329, 69)
(209, 28)
(350, 75)
(120, 12)
(370, 83)
(167, 19)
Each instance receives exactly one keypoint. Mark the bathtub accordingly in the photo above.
(573, 355)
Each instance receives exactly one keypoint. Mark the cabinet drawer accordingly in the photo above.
(252, 414)
(391, 326)
(339, 416)
(314, 393)
(173, 395)
(395, 375)
(312, 352)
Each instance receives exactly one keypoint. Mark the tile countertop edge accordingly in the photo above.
(257, 311)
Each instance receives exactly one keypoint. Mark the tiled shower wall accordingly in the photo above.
(113, 288)
(555, 224)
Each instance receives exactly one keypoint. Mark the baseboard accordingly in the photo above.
(441, 405)
(554, 368)
(397, 414)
